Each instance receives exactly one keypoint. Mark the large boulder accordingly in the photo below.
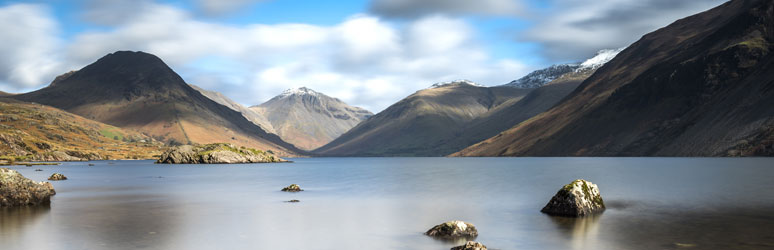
(57, 177)
(579, 198)
(292, 188)
(453, 229)
(216, 153)
(16, 190)
(471, 245)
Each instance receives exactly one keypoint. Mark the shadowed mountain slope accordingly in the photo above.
(702, 86)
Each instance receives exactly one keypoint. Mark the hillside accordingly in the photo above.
(422, 123)
(30, 132)
(251, 115)
(138, 91)
(309, 119)
(701, 86)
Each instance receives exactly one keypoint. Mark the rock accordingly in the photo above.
(293, 201)
(471, 245)
(91, 164)
(38, 169)
(292, 188)
(453, 229)
(16, 190)
(57, 177)
(579, 198)
(216, 153)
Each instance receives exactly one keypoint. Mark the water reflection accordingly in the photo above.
(583, 232)
(14, 219)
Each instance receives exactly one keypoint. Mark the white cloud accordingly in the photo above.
(29, 47)
(576, 29)
(363, 60)
(420, 8)
(218, 7)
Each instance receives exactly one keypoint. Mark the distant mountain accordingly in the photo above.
(138, 91)
(5, 94)
(251, 115)
(309, 119)
(34, 132)
(423, 123)
(542, 77)
(702, 86)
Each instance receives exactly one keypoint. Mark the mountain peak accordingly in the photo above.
(602, 57)
(299, 91)
(455, 82)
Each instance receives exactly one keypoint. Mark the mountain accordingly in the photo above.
(138, 91)
(309, 119)
(702, 86)
(542, 77)
(5, 94)
(251, 115)
(31, 132)
(422, 123)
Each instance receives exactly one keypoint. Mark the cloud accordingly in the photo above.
(576, 29)
(420, 8)
(219, 7)
(112, 12)
(363, 60)
(29, 47)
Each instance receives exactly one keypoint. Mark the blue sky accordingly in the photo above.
(369, 53)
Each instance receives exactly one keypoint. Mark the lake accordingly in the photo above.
(388, 203)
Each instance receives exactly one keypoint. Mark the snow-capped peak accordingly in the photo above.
(298, 91)
(461, 81)
(602, 57)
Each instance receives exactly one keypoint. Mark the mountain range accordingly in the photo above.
(138, 91)
(701, 86)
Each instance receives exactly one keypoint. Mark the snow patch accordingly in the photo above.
(602, 57)
(298, 91)
(462, 81)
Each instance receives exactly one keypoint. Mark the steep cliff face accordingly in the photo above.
(702, 86)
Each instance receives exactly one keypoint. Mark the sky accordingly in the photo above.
(368, 53)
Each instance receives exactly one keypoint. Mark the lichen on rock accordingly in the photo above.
(453, 229)
(16, 190)
(57, 177)
(579, 198)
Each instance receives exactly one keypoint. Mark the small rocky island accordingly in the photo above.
(17, 190)
(471, 245)
(57, 177)
(577, 199)
(292, 188)
(216, 153)
(453, 229)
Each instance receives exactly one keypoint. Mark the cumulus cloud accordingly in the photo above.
(218, 7)
(29, 47)
(420, 8)
(575, 29)
(363, 60)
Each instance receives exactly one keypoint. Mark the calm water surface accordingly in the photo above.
(387, 203)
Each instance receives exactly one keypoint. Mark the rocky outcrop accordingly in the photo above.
(453, 229)
(57, 177)
(292, 188)
(216, 153)
(471, 245)
(16, 190)
(579, 198)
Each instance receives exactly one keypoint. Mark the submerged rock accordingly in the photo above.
(293, 201)
(38, 169)
(16, 190)
(216, 153)
(57, 177)
(579, 198)
(292, 188)
(453, 229)
(471, 245)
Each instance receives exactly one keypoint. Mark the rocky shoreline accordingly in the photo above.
(17, 190)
